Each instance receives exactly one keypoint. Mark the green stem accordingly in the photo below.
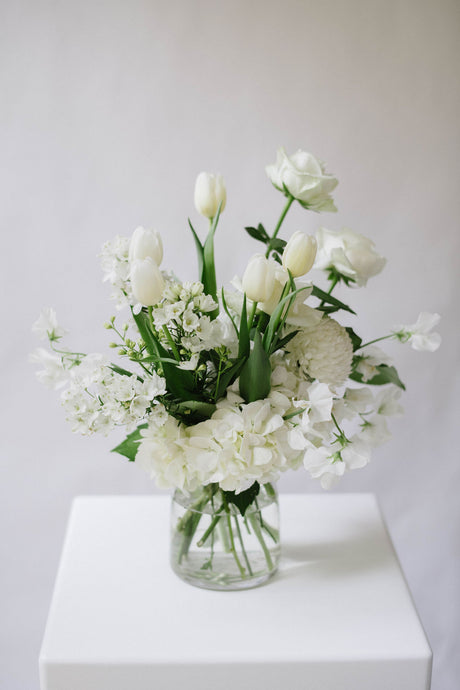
(251, 316)
(211, 528)
(171, 342)
(334, 282)
(260, 537)
(280, 222)
(240, 537)
(232, 546)
(376, 340)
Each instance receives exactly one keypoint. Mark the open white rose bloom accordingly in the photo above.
(219, 394)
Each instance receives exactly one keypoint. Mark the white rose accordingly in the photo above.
(304, 178)
(146, 243)
(349, 254)
(210, 192)
(299, 254)
(146, 281)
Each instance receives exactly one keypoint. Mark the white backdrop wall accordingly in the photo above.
(109, 110)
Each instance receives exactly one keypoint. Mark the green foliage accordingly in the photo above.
(278, 317)
(335, 304)
(129, 446)
(243, 344)
(244, 499)
(256, 373)
(180, 382)
(199, 249)
(259, 233)
(355, 339)
(208, 276)
(386, 374)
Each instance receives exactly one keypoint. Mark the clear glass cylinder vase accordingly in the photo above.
(215, 546)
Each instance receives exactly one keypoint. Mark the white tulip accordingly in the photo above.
(350, 254)
(299, 254)
(146, 281)
(146, 243)
(209, 193)
(259, 278)
(304, 178)
(281, 278)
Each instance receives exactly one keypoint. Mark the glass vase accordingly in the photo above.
(218, 544)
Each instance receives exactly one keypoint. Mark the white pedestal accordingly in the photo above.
(337, 616)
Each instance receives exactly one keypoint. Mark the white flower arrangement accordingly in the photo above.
(230, 388)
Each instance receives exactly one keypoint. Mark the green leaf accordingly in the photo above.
(145, 329)
(179, 382)
(244, 499)
(227, 377)
(325, 297)
(199, 408)
(355, 339)
(226, 309)
(386, 375)
(277, 318)
(124, 372)
(208, 277)
(258, 233)
(277, 244)
(130, 445)
(243, 345)
(199, 249)
(278, 343)
(256, 373)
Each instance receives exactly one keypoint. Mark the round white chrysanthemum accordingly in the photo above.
(323, 352)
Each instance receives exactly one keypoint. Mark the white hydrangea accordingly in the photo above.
(323, 352)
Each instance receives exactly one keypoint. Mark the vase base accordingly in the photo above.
(222, 574)
(222, 584)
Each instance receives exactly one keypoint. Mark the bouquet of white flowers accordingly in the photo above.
(226, 388)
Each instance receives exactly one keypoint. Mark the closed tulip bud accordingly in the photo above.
(209, 193)
(299, 254)
(281, 278)
(146, 243)
(259, 278)
(146, 281)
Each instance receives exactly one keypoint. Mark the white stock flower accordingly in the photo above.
(349, 254)
(299, 254)
(419, 334)
(209, 193)
(47, 327)
(144, 243)
(323, 352)
(304, 178)
(115, 267)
